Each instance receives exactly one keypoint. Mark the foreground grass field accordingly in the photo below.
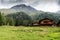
(29, 33)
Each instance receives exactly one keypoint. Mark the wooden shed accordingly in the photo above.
(36, 23)
(46, 22)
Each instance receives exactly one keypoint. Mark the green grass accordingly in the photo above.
(29, 33)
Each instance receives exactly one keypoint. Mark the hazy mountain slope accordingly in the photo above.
(7, 11)
(18, 8)
(25, 8)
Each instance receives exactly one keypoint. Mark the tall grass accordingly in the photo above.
(29, 33)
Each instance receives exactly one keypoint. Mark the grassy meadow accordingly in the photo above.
(29, 33)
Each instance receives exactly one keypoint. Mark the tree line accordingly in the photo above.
(22, 18)
(15, 19)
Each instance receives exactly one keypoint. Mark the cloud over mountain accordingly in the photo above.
(46, 5)
(29, 2)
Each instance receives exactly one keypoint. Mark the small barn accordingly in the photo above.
(36, 23)
(46, 22)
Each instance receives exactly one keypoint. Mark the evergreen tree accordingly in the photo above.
(11, 21)
(26, 22)
(18, 18)
(1, 22)
(3, 19)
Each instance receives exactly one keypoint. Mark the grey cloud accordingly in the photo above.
(29, 2)
(36, 2)
(33, 3)
(58, 2)
(11, 1)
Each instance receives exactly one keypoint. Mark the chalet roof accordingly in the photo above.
(46, 18)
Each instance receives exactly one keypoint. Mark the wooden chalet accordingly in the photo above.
(46, 22)
(43, 22)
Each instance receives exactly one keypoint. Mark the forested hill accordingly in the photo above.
(54, 16)
(30, 18)
(22, 18)
(24, 15)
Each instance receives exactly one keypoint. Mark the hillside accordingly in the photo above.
(19, 8)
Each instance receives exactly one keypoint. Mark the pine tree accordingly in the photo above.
(3, 19)
(11, 22)
(25, 22)
(1, 22)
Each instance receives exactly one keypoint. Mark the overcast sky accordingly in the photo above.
(45, 5)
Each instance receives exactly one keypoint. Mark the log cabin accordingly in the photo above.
(43, 22)
(46, 22)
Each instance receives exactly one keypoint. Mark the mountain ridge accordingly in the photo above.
(19, 8)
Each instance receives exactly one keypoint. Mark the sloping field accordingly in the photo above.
(29, 33)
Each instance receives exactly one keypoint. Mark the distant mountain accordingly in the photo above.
(19, 8)
(25, 8)
(58, 11)
(8, 11)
